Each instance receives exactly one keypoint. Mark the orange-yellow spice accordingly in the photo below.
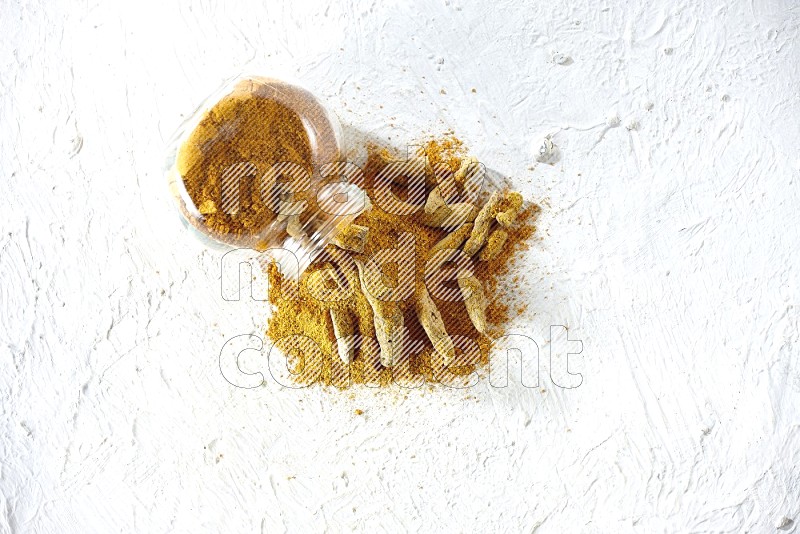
(246, 127)
(310, 317)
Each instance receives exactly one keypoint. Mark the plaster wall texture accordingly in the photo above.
(669, 239)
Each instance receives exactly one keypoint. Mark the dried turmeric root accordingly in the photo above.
(466, 168)
(295, 228)
(434, 202)
(388, 319)
(482, 224)
(507, 217)
(452, 240)
(451, 216)
(378, 159)
(494, 245)
(431, 320)
(353, 238)
(344, 324)
(475, 301)
(469, 177)
(439, 214)
(344, 329)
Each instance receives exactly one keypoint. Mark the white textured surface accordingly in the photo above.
(671, 241)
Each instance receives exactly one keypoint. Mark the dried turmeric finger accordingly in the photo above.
(469, 177)
(514, 202)
(434, 201)
(480, 231)
(439, 214)
(475, 301)
(388, 319)
(344, 330)
(344, 326)
(378, 159)
(453, 240)
(294, 227)
(466, 169)
(353, 238)
(443, 250)
(431, 320)
(494, 245)
(451, 216)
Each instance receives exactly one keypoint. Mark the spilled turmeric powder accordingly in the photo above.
(407, 323)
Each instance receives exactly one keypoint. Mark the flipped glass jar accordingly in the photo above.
(246, 171)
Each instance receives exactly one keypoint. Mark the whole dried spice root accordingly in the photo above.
(468, 177)
(388, 320)
(451, 241)
(467, 167)
(381, 163)
(451, 216)
(344, 330)
(353, 238)
(474, 300)
(494, 245)
(507, 217)
(482, 224)
(439, 214)
(344, 325)
(434, 202)
(431, 320)
(294, 227)
(508, 211)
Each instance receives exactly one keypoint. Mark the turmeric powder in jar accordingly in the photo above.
(247, 156)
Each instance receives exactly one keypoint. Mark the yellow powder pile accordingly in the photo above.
(302, 324)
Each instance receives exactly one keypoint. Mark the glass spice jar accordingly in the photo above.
(248, 169)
